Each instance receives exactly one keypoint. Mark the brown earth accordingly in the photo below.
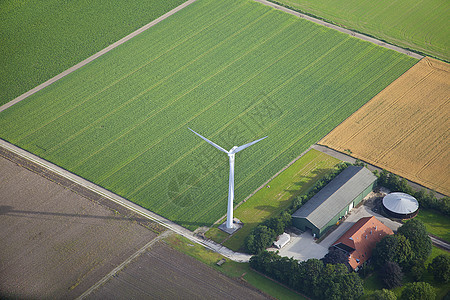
(54, 243)
(405, 128)
(164, 273)
(59, 239)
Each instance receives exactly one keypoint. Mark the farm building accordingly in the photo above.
(400, 205)
(360, 239)
(282, 240)
(334, 201)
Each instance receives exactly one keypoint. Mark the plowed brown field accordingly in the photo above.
(405, 128)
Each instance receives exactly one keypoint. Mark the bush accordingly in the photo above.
(384, 295)
(259, 239)
(279, 224)
(440, 268)
(418, 291)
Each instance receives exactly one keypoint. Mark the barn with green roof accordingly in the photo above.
(335, 200)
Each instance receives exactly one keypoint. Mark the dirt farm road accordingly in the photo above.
(178, 8)
(62, 176)
(96, 55)
(62, 241)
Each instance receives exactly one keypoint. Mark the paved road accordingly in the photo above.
(440, 243)
(348, 158)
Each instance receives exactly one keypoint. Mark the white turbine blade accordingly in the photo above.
(247, 145)
(209, 142)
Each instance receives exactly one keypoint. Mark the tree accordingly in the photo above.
(276, 224)
(414, 230)
(395, 248)
(417, 270)
(383, 178)
(262, 262)
(393, 182)
(440, 268)
(335, 283)
(336, 256)
(384, 294)
(391, 275)
(310, 279)
(260, 238)
(418, 291)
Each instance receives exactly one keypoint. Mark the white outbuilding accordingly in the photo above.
(400, 205)
(282, 240)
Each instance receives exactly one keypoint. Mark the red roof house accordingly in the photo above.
(361, 238)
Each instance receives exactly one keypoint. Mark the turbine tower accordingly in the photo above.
(231, 154)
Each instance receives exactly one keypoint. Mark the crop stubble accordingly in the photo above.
(405, 128)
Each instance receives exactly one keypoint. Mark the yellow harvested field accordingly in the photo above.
(405, 128)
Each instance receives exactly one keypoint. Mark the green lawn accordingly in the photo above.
(42, 39)
(419, 25)
(231, 269)
(233, 71)
(269, 202)
(436, 223)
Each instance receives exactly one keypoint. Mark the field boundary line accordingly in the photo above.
(340, 29)
(124, 264)
(113, 84)
(211, 245)
(95, 56)
(372, 167)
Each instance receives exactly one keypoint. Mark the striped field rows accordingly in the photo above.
(233, 71)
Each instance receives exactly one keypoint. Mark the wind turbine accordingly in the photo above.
(231, 154)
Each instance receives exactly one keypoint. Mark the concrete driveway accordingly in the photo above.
(303, 246)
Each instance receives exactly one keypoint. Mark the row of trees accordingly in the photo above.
(426, 200)
(302, 199)
(263, 235)
(312, 277)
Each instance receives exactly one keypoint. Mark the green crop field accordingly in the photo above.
(418, 25)
(40, 39)
(233, 71)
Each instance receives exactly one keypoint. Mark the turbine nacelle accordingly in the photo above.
(231, 153)
(232, 150)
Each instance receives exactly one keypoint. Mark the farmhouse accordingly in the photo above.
(360, 239)
(400, 205)
(334, 201)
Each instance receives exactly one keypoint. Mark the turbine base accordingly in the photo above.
(237, 224)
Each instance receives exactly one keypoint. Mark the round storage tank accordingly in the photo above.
(400, 205)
